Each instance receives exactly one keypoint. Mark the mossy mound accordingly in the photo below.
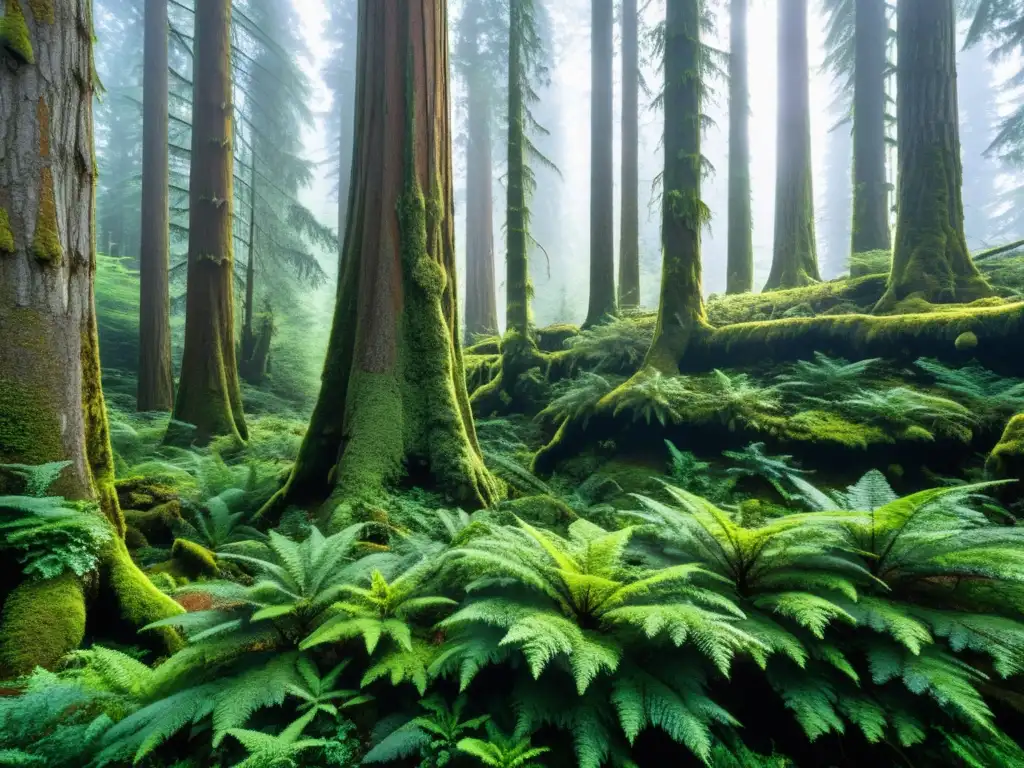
(1006, 461)
(857, 294)
(158, 525)
(544, 510)
(141, 493)
(42, 621)
(552, 338)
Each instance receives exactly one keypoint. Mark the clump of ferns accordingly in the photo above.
(577, 399)
(894, 620)
(991, 397)
(826, 377)
(618, 346)
(578, 608)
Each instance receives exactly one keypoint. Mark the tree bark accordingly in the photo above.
(248, 337)
(930, 258)
(629, 235)
(393, 399)
(481, 301)
(794, 257)
(517, 273)
(156, 375)
(681, 309)
(209, 397)
(740, 257)
(51, 403)
(870, 230)
(602, 244)
(345, 134)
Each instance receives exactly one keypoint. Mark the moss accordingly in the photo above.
(14, 32)
(29, 428)
(481, 369)
(544, 510)
(489, 345)
(194, 560)
(135, 600)
(46, 241)
(553, 337)
(143, 493)
(135, 539)
(826, 427)
(965, 341)
(861, 292)
(41, 622)
(42, 11)
(157, 524)
(6, 235)
(1006, 461)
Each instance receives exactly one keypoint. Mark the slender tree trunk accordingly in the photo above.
(870, 187)
(930, 258)
(208, 393)
(835, 238)
(248, 339)
(740, 259)
(345, 150)
(51, 403)
(681, 309)
(481, 301)
(602, 243)
(393, 401)
(517, 276)
(629, 236)
(978, 108)
(156, 375)
(795, 258)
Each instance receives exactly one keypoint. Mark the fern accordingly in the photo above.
(825, 377)
(501, 751)
(618, 346)
(577, 399)
(913, 414)
(987, 394)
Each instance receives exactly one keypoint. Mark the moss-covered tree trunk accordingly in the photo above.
(629, 233)
(156, 375)
(740, 256)
(870, 231)
(517, 271)
(681, 309)
(481, 301)
(209, 397)
(51, 404)
(930, 256)
(393, 401)
(794, 255)
(602, 243)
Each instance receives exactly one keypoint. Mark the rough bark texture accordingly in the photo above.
(870, 230)
(794, 257)
(629, 234)
(740, 257)
(393, 399)
(517, 271)
(602, 234)
(156, 376)
(208, 393)
(681, 309)
(481, 301)
(51, 404)
(930, 257)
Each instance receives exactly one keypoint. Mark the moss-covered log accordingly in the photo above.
(393, 400)
(51, 403)
(930, 256)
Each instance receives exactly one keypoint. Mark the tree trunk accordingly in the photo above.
(978, 110)
(248, 337)
(517, 274)
(930, 258)
(602, 244)
(345, 150)
(629, 236)
(208, 393)
(870, 187)
(51, 404)
(681, 309)
(740, 259)
(393, 399)
(481, 301)
(795, 259)
(156, 375)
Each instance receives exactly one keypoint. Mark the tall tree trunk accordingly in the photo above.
(393, 399)
(209, 397)
(345, 150)
(481, 301)
(248, 338)
(681, 309)
(978, 108)
(51, 403)
(794, 257)
(870, 187)
(629, 236)
(740, 258)
(835, 238)
(156, 375)
(930, 257)
(602, 244)
(517, 274)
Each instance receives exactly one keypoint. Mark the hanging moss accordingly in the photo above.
(14, 33)
(42, 11)
(6, 235)
(41, 622)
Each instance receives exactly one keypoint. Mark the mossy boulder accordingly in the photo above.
(544, 510)
(1006, 461)
(41, 622)
(553, 337)
(158, 525)
(188, 561)
(141, 493)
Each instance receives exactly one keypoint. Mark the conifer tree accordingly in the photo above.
(930, 257)
(740, 257)
(51, 403)
(393, 399)
(629, 234)
(156, 376)
(602, 246)
(794, 256)
(208, 395)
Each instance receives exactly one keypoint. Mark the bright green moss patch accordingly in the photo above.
(14, 32)
(29, 429)
(42, 11)
(194, 560)
(6, 235)
(157, 524)
(819, 426)
(41, 622)
(965, 341)
(136, 600)
(820, 298)
(46, 241)
(1006, 461)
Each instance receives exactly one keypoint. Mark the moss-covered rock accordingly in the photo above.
(1006, 461)
(41, 622)
(135, 539)
(159, 524)
(552, 338)
(142, 493)
(194, 559)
